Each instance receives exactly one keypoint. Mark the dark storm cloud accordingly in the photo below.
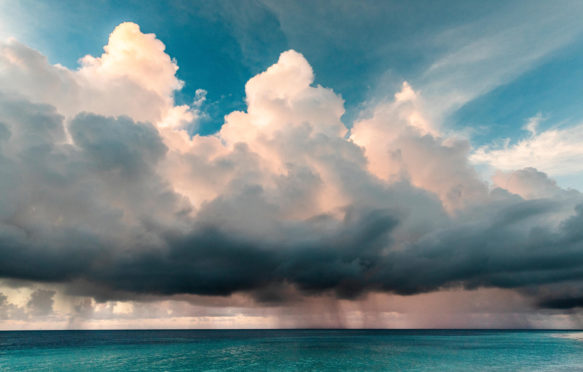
(352, 259)
(500, 253)
(562, 303)
(212, 261)
(95, 214)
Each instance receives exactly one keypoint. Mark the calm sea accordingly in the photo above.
(291, 350)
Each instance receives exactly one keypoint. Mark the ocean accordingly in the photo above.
(291, 350)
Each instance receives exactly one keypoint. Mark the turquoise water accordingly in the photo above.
(293, 350)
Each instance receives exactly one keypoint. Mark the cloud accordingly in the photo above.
(562, 303)
(103, 197)
(400, 143)
(521, 35)
(530, 183)
(134, 77)
(41, 302)
(555, 151)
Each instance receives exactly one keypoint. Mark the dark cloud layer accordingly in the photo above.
(562, 303)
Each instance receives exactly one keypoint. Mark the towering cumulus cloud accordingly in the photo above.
(106, 196)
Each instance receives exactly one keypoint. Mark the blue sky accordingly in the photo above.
(362, 50)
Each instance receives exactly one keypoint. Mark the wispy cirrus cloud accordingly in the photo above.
(494, 50)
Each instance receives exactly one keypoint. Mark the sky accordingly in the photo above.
(280, 164)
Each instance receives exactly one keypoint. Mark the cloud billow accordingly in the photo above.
(113, 198)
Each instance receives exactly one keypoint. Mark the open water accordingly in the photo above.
(291, 350)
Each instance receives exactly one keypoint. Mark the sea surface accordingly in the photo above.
(292, 350)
